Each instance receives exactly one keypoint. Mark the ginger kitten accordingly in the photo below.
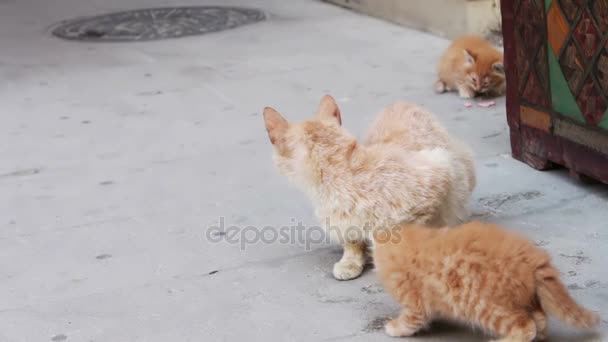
(475, 273)
(472, 67)
(363, 187)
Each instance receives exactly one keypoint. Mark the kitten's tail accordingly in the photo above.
(555, 299)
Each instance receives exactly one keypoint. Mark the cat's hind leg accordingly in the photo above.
(540, 319)
(515, 326)
(352, 262)
(408, 323)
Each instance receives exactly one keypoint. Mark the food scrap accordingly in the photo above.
(486, 104)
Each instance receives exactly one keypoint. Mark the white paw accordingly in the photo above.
(440, 87)
(465, 93)
(346, 270)
(397, 329)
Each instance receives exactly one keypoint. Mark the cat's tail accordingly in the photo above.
(555, 299)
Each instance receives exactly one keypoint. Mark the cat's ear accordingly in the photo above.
(499, 67)
(468, 58)
(276, 125)
(328, 110)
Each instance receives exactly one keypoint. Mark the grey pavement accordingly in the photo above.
(116, 159)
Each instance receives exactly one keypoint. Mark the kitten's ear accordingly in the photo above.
(328, 110)
(276, 125)
(468, 57)
(499, 67)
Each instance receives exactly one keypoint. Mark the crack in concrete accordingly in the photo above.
(21, 173)
(495, 202)
(579, 257)
(559, 205)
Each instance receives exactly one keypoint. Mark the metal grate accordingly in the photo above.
(156, 23)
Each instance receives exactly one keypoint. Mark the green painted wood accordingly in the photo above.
(562, 99)
(603, 124)
(547, 5)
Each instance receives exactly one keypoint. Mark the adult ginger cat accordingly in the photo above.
(409, 170)
(476, 273)
(472, 67)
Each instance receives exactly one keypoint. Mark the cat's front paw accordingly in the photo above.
(440, 87)
(396, 328)
(466, 93)
(347, 270)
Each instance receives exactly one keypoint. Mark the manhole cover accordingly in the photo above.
(156, 23)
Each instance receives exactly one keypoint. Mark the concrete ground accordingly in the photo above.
(117, 159)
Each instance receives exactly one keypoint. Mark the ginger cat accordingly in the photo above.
(472, 67)
(413, 128)
(476, 273)
(391, 179)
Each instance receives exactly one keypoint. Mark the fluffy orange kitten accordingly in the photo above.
(476, 273)
(409, 170)
(473, 67)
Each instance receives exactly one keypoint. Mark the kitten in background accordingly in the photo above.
(476, 273)
(472, 67)
(408, 170)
